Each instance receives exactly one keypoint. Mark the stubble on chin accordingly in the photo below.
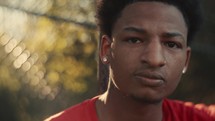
(145, 100)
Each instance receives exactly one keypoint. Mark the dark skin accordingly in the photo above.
(146, 54)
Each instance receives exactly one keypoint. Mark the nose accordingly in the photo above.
(153, 54)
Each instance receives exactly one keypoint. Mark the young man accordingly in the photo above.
(145, 44)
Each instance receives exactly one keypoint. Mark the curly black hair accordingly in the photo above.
(108, 12)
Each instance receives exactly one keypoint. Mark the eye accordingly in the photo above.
(172, 45)
(134, 40)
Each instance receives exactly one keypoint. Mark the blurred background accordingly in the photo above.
(48, 58)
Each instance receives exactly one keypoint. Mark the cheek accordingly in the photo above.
(122, 58)
(119, 75)
(121, 66)
(176, 63)
(175, 72)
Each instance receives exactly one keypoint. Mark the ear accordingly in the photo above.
(188, 55)
(105, 48)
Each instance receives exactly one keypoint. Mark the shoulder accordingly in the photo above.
(77, 112)
(187, 111)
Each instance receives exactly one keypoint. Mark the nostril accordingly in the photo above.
(154, 62)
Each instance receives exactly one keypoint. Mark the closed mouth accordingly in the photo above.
(150, 79)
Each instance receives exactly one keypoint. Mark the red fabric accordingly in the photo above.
(85, 111)
(186, 111)
(172, 111)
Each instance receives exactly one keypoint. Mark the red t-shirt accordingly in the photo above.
(172, 111)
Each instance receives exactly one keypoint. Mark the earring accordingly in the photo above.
(104, 59)
(184, 70)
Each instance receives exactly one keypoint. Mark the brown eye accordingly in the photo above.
(172, 45)
(134, 40)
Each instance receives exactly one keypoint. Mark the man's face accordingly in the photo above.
(147, 51)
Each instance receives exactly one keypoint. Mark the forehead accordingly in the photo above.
(151, 15)
(152, 10)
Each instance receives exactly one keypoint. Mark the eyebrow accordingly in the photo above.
(173, 34)
(134, 29)
(143, 31)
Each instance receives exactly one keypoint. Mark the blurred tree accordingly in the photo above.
(48, 56)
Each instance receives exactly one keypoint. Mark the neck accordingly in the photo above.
(113, 105)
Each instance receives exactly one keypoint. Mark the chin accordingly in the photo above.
(147, 99)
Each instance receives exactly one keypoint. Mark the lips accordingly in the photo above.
(151, 79)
